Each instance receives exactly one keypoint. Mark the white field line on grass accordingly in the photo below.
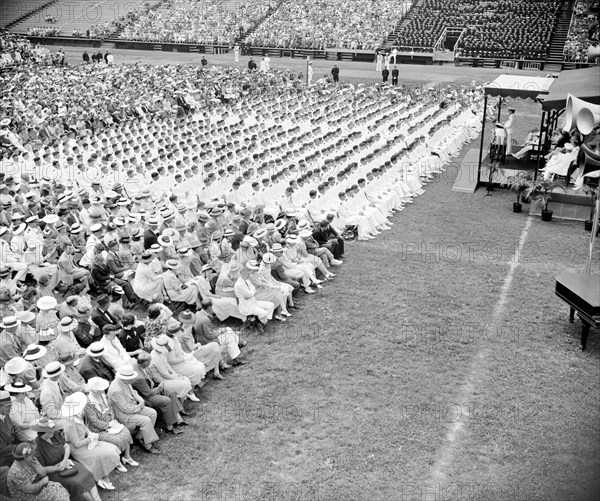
(456, 428)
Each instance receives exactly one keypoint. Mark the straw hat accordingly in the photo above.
(34, 352)
(18, 387)
(54, 369)
(172, 264)
(95, 350)
(126, 373)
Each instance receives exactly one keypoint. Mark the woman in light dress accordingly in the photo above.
(148, 281)
(97, 456)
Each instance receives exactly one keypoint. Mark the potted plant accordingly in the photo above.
(541, 191)
(591, 192)
(493, 169)
(518, 184)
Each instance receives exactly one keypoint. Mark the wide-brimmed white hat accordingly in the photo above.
(15, 366)
(97, 384)
(73, 405)
(46, 303)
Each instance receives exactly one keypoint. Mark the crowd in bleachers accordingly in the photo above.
(197, 21)
(505, 29)
(198, 195)
(319, 24)
(583, 32)
(16, 51)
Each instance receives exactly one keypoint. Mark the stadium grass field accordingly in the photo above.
(439, 364)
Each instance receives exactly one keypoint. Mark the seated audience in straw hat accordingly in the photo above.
(99, 457)
(284, 264)
(158, 396)
(10, 343)
(85, 330)
(130, 409)
(99, 417)
(94, 364)
(27, 478)
(148, 280)
(114, 353)
(27, 328)
(67, 343)
(265, 290)
(51, 394)
(208, 354)
(162, 372)
(183, 363)
(47, 317)
(24, 413)
(245, 291)
(71, 381)
(204, 332)
(176, 289)
(53, 454)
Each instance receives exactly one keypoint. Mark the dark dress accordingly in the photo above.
(50, 454)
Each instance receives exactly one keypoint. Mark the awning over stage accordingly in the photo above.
(584, 84)
(518, 86)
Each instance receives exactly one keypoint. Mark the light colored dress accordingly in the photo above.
(147, 283)
(162, 372)
(101, 460)
(185, 364)
(249, 305)
(176, 291)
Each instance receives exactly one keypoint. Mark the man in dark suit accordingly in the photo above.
(94, 365)
(385, 74)
(101, 315)
(321, 235)
(115, 265)
(252, 64)
(155, 396)
(9, 434)
(395, 74)
(335, 72)
(150, 236)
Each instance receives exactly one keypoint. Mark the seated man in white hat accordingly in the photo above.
(94, 364)
(176, 289)
(245, 292)
(10, 344)
(130, 409)
(51, 395)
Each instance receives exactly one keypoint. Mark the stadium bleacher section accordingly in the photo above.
(583, 32)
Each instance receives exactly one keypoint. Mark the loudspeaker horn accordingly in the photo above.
(588, 160)
(593, 52)
(581, 114)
